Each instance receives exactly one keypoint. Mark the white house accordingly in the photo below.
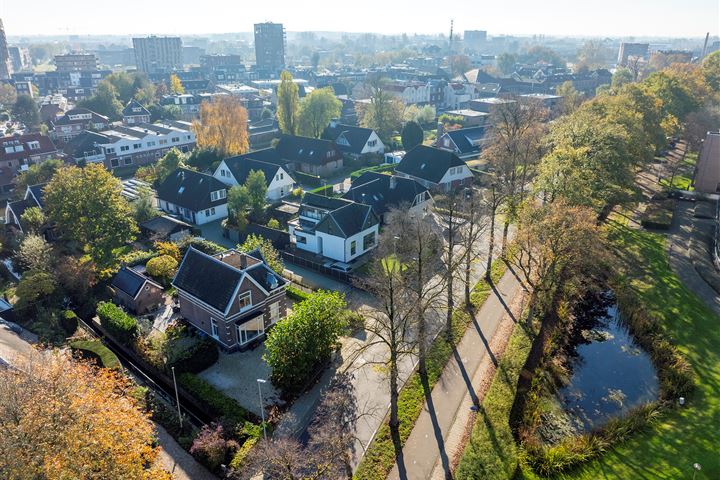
(235, 170)
(435, 168)
(353, 140)
(193, 196)
(384, 192)
(335, 228)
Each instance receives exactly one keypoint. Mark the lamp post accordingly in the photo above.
(177, 397)
(697, 467)
(261, 381)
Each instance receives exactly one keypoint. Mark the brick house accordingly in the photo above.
(18, 152)
(136, 292)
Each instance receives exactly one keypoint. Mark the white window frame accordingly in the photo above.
(242, 296)
(242, 336)
(214, 330)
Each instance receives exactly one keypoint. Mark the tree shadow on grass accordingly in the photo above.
(436, 425)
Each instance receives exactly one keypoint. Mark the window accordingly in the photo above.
(34, 145)
(274, 312)
(150, 144)
(137, 146)
(109, 150)
(127, 161)
(222, 172)
(175, 139)
(250, 330)
(300, 239)
(372, 143)
(369, 240)
(212, 211)
(223, 194)
(124, 148)
(115, 162)
(353, 247)
(213, 196)
(163, 142)
(282, 176)
(214, 328)
(245, 300)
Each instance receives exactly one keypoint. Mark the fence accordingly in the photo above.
(304, 262)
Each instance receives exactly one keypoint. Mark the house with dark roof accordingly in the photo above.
(353, 140)
(310, 155)
(195, 197)
(136, 292)
(466, 143)
(134, 113)
(233, 297)
(383, 192)
(235, 170)
(335, 228)
(435, 168)
(14, 210)
(74, 121)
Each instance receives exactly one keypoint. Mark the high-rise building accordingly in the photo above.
(270, 47)
(474, 38)
(628, 50)
(5, 62)
(158, 54)
(19, 57)
(76, 62)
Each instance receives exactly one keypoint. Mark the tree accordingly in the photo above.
(449, 210)
(384, 113)
(238, 204)
(162, 267)
(76, 275)
(176, 85)
(204, 159)
(169, 248)
(476, 223)
(144, 205)
(506, 63)
(593, 55)
(297, 346)
(493, 198)
(412, 135)
(87, 206)
(8, 95)
(26, 111)
(35, 253)
(539, 53)
(211, 447)
(675, 97)
(36, 173)
(459, 64)
(417, 243)
(270, 254)
(257, 190)
(34, 219)
(65, 419)
(223, 126)
(698, 123)
(104, 101)
(622, 76)
(571, 97)
(33, 290)
(316, 111)
(288, 104)
(711, 71)
(169, 162)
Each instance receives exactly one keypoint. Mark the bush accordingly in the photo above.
(69, 322)
(205, 246)
(384, 168)
(210, 446)
(118, 324)
(219, 403)
(273, 223)
(297, 294)
(94, 349)
(241, 455)
(162, 267)
(137, 257)
(198, 357)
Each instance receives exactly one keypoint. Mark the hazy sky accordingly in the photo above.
(555, 17)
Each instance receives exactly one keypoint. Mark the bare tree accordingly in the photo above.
(449, 213)
(476, 223)
(493, 198)
(419, 243)
(281, 459)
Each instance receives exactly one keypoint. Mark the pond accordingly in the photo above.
(609, 373)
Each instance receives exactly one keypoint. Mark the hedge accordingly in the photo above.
(297, 294)
(385, 167)
(197, 358)
(96, 350)
(205, 246)
(325, 190)
(219, 403)
(307, 179)
(239, 459)
(118, 324)
(69, 322)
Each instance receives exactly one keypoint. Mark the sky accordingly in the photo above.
(612, 18)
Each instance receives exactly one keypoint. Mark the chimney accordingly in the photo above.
(393, 182)
(243, 261)
(440, 130)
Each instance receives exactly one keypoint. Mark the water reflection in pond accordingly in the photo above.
(610, 374)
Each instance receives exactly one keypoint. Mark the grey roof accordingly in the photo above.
(66, 120)
(130, 281)
(357, 137)
(306, 150)
(344, 218)
(164, 225)
(268, 155)
(87, 143)
(134, 108)
(428, 163)
(190, 189)
(383, 192)
(241, 168)
(38, 192)
(465, 139)
(19, 207)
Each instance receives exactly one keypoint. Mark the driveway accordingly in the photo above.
(213, 231)
(236, 375)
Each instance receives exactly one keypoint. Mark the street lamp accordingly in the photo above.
(697, 467)
(261, 381)
(177, 395)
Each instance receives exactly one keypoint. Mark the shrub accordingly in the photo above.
(241, 455)
(384, 168)
(198, 357)
(219, 403)
(210, 446)
(137, 257)
(297, 294)
(69, 321)
(119, 324)
(168, 248)
(94, 349)
(162, 267)
(273, 223)
(205, 246)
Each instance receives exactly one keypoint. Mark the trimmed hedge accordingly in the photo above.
(239, 459)
(200, 356)
(205, 246)
(385, 167)
(325, 190)
(297, 294)
(119, 324)
(96, 350)
(219, 403)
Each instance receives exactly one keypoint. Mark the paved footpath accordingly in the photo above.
(441, 425)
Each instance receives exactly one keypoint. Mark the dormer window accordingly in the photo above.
(217, 195)
(245, 300)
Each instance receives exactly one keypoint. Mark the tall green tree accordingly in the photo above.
(238, 205)
(26, 111)
(269, 253)
(676, 98)
(571, 97)
(316, 111)
(384, 113)
(105, 101)
(288, 104)
(257, 190)
(412, 135)
(35, 174)
(88, 208)
(711, 71)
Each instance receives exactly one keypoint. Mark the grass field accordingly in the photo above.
(683, 436)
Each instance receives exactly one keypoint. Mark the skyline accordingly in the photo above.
(611, 18)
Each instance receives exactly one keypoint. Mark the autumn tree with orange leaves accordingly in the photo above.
(223, 126)
(61, 419)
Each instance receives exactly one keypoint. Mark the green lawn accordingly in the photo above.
(684, 436)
